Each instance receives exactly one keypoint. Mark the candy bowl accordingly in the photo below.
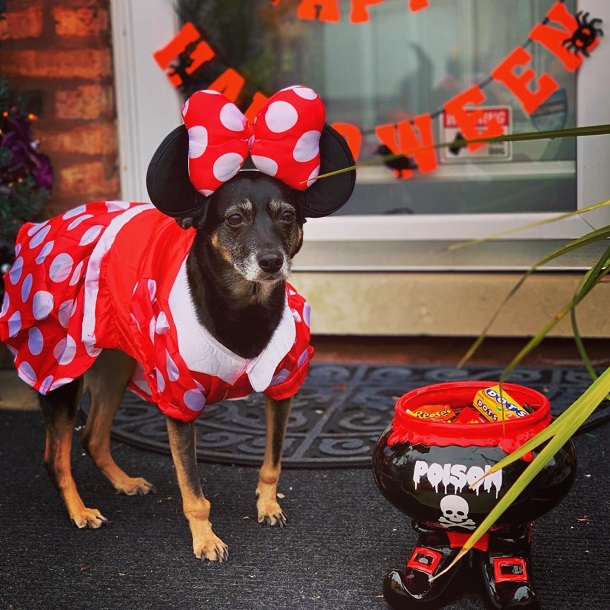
(430, 464)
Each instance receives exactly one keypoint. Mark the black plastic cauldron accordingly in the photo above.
(431, 471)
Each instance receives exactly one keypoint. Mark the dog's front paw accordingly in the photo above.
(134, 486)
(211, 548)
(269, 510)
(88, 517)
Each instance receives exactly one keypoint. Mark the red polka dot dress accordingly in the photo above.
(111, 275)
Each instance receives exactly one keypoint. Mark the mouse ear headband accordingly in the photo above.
(288, 140)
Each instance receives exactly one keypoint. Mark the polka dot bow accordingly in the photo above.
(282, 142)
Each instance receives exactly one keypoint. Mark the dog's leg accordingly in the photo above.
(60, 408)
(276, 417)
(196, 507)
(106, 381)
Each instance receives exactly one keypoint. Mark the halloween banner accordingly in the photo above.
(468, 115)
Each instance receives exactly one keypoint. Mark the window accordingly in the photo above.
(399, 65)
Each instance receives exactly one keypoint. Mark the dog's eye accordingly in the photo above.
(235, 219)
(288, 216)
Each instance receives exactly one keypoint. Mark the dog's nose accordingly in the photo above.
(271, 262)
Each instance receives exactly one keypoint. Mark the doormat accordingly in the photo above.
(338, 415)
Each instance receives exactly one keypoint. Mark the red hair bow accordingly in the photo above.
(282, 142)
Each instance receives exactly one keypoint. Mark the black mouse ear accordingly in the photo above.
(326, 195)
(167, 179)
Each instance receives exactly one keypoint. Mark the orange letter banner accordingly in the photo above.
(353, 136)
(553, 38)
(418, 5)
(329, 10)
(415, 138)
(470, 119)
(518, 83)
(360, 12)
(189, 42)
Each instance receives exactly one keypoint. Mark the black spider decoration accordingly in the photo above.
(585, 34)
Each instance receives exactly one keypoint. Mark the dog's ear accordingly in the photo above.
(171, 191)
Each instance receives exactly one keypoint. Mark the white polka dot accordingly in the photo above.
(141, 383)
(152, 290)
(135, 321)
(40, 237)
(65, 350)
(17, 249)
(78, 220)
(162, 325)
(61, 267)
(26, 287)
(226, 166)
(76, 275)
(59, 382)
(74, 212)
(35, 228)
(15, 273)
(6, 303)
(307, 314)
(198, 141)
(305, 92)
(172, 370)
(151, 329)
(280, 377)
(160, 381)
(303, 357)
(46, 250)
(42, 304)
(35, 341)
(194, 400)
(185, 107)
(65, 312)
(117, 206)
(26, 372)
(14, 324)
(232, 118)
(265, 164)
(281, 116)
(313, 176)
(91, 235)
(46, 385)
(307, 146)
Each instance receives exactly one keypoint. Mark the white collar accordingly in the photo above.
(204, 354)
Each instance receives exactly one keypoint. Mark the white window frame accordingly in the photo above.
(148, 109)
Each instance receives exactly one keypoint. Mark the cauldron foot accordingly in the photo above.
(506, 569)
(414, 587)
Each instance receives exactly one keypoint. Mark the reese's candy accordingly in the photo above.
(497, 406)
(436, 412)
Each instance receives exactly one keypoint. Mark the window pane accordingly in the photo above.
(399, 65)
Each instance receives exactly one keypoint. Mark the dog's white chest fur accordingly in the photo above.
(202, 353)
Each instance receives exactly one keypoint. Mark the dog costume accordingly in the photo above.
(111, 274)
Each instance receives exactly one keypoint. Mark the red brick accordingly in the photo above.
(88, 180)
(91, 64)
(80, 22)
(26, 23)
(91, 139)
(87, 102)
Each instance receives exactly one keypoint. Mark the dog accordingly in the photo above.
(184, 300)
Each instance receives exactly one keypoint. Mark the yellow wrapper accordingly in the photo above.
(497, 407)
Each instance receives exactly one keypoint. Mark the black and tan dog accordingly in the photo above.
(242, 240)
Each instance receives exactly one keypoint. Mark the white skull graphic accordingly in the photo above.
(455, 513)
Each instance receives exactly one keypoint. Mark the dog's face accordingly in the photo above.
(255, 224)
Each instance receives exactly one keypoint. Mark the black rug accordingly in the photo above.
(341, 538)
(338, 415)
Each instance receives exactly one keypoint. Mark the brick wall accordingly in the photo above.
(58, 54)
